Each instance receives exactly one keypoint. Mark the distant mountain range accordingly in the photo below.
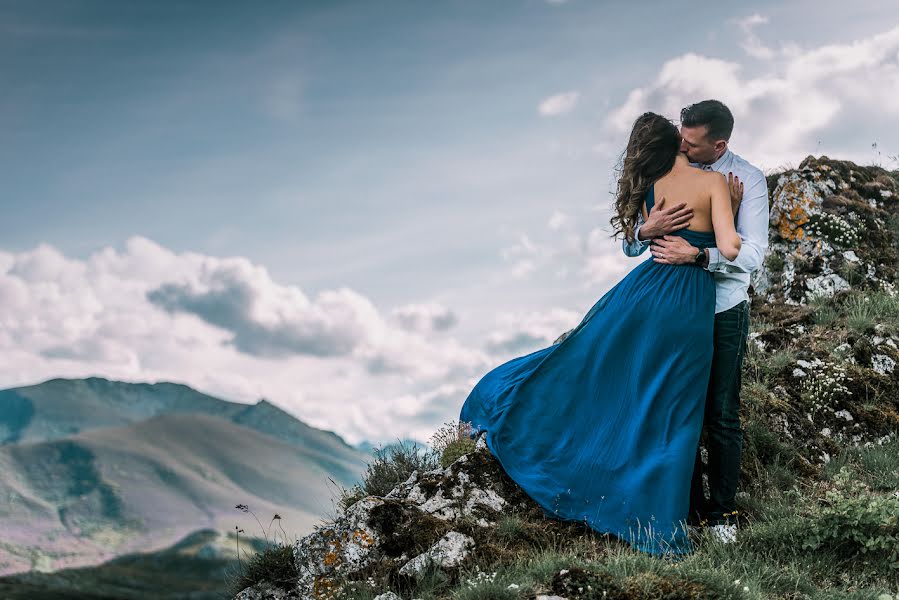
(199, 566)
(370, 447)
(91, 469)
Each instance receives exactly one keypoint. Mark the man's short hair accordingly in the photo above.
(711, 113)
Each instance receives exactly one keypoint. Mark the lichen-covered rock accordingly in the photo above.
(414, 522)
(830, 229)
(449, 551)
(266, 591)
(834, 235)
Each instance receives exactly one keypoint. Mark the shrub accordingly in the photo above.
(452, 441)
(853, 522)
(274, 565)
(392, 466)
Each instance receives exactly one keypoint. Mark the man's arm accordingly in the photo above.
(752, 225)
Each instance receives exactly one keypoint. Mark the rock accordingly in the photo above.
(825, 286)
(266, 591)
(417, 518)
(882, 364)
(387, 596)
(448, 552)
(329, 554)
(828, 219)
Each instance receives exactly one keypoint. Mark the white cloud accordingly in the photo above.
(751, 42)
(523, 332)
(558, 220)
(424, 317)
(590, 257)
(558, 104)
(796, 98)
(225, 327)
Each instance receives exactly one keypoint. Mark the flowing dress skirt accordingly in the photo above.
(603, 427)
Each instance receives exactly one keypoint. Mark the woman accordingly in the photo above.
(603, 426)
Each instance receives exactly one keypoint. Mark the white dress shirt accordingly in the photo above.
(731, 277)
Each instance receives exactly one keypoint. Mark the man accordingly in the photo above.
(705, 130)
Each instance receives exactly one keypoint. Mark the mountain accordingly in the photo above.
(63, 407)
(198, 566)
(369, 448)
(99, 468)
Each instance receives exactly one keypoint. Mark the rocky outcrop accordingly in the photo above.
(432, 519)
(833, 227)
(832, 262)
(821, 373)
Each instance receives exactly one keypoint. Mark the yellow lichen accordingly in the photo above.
(795, 212)
(362, 537)
(324, 588)
(331, 559)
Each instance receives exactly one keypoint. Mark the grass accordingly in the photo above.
(274, 565)
(863, 311)
(774, 557)
(804, 528)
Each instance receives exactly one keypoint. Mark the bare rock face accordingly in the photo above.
(449, 551)
(834, 234)
(430, 519)
(266, 591)
(831, 230)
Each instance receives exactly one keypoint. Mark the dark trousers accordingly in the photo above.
(724, 439)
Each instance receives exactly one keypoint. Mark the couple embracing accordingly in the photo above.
(603, 427)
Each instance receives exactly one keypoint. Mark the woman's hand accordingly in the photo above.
(735, 186)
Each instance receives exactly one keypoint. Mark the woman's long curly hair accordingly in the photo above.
(651, 150)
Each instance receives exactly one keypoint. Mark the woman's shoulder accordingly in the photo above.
(711, 179)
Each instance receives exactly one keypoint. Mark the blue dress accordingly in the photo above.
(603, 427)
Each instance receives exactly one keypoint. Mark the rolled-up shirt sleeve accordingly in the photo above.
(638, 246)
(752, 227)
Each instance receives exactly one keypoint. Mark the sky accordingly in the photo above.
(357, 209)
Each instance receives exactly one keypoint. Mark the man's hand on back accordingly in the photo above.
(663, 221)
(735, 186)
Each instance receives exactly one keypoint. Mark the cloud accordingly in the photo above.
(796, 98)
(267, 319)
(558, 104)
(424, 317)
(751, 42)
(524, 332)
(571, 252)
(557, 220)
(224, 326)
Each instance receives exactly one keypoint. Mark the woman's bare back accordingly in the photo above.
(691, 186)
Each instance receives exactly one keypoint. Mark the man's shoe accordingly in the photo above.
(725, 533)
